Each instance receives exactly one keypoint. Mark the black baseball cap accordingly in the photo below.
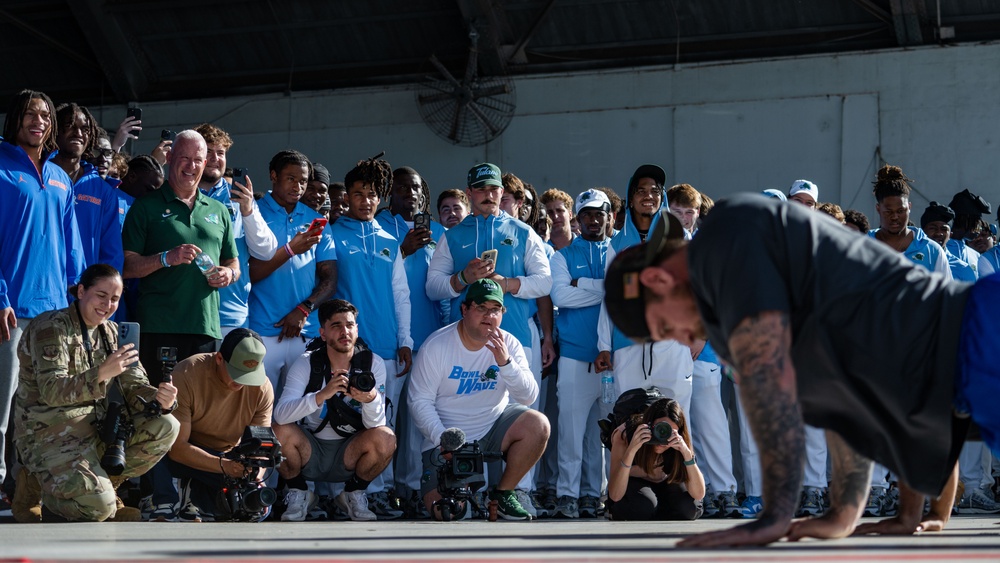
(647, 171)
(624, 294)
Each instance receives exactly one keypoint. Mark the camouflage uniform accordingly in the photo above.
(58, 404)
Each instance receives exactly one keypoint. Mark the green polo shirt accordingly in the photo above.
(178, 300)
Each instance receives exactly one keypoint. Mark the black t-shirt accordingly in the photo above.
(874, 337)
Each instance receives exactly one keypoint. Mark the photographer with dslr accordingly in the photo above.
(218, 396)
(654, 474)
(331, 417)
(77, 385)
(474, 377)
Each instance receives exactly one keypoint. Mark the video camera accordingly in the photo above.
(243, 499)
(460, 477)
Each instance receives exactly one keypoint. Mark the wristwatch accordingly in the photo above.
(309, 305)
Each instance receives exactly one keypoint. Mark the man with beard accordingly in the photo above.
(807, 338)
(316, 438)
(453, 206)
(301, 274)
(41, 254)
(474, 376)
(96, 203)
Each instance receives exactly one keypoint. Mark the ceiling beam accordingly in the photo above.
(117, 55)
(909, 20)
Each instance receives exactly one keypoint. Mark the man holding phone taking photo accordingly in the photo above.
(253, 237)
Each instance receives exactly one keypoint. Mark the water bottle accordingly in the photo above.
(204, 263)
(607, 388)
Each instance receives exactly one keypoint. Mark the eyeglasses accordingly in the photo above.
(489, 311)
(105, 153)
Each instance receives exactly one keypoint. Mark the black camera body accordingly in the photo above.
(460, 477)
(659, 434)
(116, 430)
(243, 499)
(360, 376)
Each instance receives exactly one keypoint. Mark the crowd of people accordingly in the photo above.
(363, 324)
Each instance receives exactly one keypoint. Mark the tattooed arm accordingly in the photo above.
(760, 348)
(848, 494)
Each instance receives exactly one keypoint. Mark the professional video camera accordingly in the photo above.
(243, 499)
(461, 476)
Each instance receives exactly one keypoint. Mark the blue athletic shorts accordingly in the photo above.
(977, 383)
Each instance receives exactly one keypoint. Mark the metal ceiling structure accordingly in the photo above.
(118, 51)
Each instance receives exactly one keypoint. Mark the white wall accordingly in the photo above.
(721, 127)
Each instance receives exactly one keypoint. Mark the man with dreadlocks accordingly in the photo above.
(371, 275)
(96, 201)
(41, 254)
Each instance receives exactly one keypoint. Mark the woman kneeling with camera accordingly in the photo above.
(654, 475)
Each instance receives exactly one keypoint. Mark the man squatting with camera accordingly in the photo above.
(218, 396)
(317, 419)
(464, 378)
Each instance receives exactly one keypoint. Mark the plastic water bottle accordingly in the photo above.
(607, 388)
(205, 264)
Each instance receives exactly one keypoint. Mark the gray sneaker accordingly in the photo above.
(355, 505)
(727, 505)
(379, 504)
(876, 502)
(566, 507)
(978, 501)
(811, 503)
(524, 499)
(590, 507)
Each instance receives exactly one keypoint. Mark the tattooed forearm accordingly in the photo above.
(851, 476)
(760, 348)
(326, 281)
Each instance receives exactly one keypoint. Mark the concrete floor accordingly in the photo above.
(966, 539)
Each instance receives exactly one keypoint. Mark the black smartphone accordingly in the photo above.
(240, 175)
(422, 220)
(134, 112)
(128, 333)
(168, 135)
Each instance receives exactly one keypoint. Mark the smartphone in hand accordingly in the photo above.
(490, 256)
(316, 227)
(422, 221)
(128, 333)
(168, 135)
(240, 175)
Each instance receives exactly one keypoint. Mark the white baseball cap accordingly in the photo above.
(592, 198)
(806, 187)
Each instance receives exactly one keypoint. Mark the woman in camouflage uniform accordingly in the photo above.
(69, 361)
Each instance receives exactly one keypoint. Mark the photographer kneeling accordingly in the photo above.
(654, 474)
(336, 392)
(465, 377)
(218, 396)
(73, 374)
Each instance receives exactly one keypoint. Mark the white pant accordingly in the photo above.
(752, 479)
(975, 466)
(815, 474)
(579, 392)
(666, 365)
(880, 475)
(393, 389)
(279, 358)
(711, 442)
(534, 355)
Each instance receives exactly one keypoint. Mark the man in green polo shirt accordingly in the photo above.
(163, 233)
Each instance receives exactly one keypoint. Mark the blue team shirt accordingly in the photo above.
(577, 325)
(276, 295)
(234, 299)
(41, 253)
(425, 314)
(96, 207)
(922, 250)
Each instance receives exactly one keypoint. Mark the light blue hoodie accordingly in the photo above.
(578, 325)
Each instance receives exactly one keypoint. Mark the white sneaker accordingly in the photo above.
(298, 503)
(525, 499)
(355, 504)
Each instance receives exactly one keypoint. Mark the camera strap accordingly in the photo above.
(342, 417)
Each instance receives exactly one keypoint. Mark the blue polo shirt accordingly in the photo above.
(41, 253)
(276, 295)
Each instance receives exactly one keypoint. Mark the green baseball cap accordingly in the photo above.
(481, 291)
(484, 174)
(243, 351)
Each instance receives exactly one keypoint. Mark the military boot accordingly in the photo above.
(123, 513)
(27, 504)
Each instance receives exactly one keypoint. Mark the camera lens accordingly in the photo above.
(259, 499)
(361, 380)
(113, 460)
(662, 432)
